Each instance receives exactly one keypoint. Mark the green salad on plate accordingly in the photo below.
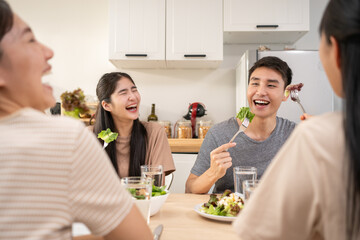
(228, 204)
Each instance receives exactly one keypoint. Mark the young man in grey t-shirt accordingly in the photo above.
(258, 144)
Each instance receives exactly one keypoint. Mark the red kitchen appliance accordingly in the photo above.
(195, 110)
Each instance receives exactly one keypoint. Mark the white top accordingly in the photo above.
(302, 193)
(53, 172)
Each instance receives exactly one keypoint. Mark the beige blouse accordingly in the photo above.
(158, 150)
(54, 174)
(301, 196)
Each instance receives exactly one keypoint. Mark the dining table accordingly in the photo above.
(181, 221)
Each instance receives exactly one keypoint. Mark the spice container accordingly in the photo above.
(167, 127)
(204, 126)
(183, 129)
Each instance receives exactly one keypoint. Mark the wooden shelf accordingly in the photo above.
(185, 145)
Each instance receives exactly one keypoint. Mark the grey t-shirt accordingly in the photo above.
(247, 151)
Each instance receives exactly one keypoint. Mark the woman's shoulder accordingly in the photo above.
(91, 127)
(152, 127)
(327, 127)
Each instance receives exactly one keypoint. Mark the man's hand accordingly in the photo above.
(220, 160)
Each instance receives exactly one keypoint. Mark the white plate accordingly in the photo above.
(210, 216)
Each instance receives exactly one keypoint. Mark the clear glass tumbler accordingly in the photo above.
(241, 174)
(249, 187)
(153, 172)
(140, 188)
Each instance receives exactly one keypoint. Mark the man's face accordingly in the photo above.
(23, 63)
(265, 92)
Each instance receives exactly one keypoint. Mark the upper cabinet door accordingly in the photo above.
(194, 35)
(137, 33)
(288, 19)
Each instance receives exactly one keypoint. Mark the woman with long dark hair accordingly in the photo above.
(138, 143)
(311, 190)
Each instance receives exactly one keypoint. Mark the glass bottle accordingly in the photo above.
(152, 117)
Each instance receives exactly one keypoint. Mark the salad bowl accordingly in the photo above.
(156, 202)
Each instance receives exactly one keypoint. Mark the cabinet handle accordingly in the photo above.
(195, 55)
(267, 26)
(135, 55)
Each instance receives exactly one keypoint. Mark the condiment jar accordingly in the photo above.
(183, 129)
(167, 127)
(204, 126)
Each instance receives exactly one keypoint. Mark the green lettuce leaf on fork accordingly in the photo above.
(245, 113)
(107, 136)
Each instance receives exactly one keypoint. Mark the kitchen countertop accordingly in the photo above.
(178, 145)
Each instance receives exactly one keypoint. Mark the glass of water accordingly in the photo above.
(140, 189)
(153, 172)
(241, 174)
(249, 187)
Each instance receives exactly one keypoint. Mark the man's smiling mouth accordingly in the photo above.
(261, 102)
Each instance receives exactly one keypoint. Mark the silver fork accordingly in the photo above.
(295, 97)
(157, 232)
(242, 128)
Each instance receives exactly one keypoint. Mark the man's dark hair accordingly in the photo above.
(6, 20)
(276, 64)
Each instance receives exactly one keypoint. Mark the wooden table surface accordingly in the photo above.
(180, 221)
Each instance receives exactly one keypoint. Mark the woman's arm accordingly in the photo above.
(132, 227)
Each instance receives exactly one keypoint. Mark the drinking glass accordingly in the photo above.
(249, 187)
(140, 188)
(153, 172)
(241, 174)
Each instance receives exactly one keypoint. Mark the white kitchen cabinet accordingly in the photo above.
(137, 33)
(183, 164)
(265, 21)
(194, 35)
(193, 39)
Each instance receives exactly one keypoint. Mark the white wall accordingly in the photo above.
(77, 31)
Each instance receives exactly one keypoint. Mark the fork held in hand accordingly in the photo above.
(295, 97)
(244, 124)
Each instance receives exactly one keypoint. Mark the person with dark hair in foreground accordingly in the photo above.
(311, 190)
(53, 170)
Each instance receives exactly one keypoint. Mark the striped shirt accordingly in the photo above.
(53, 172)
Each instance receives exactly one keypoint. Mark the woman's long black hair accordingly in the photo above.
(342, 21)
(106, 86)
(6, 20)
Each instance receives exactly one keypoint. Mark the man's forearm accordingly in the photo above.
(201, 184)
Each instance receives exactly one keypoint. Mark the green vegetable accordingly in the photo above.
(136, 193)
(107, 135)
(287, 93)
(245, 113)
(232, 208)
(74, 103)
(158, 191)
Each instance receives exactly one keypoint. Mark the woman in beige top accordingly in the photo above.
(311, 190)
(138, 143)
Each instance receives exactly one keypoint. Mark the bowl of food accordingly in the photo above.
(157, 200)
